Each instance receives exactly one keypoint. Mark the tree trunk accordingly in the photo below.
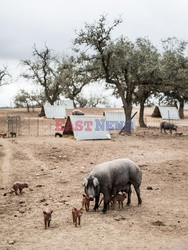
(181, 113)
(141, 114)
(128, 111)
(28, 108)
(74, 102)
(42, 112)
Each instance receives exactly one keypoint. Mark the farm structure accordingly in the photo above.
(55, 111)
(167, 113)
(87, 127)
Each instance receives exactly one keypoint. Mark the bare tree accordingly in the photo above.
(43, 69)
(5, 77)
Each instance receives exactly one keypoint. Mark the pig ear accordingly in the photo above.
(95, 182)
(85, 182)
(44, 212)
(51, 212)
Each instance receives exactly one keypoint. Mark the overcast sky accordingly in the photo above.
(24, 23)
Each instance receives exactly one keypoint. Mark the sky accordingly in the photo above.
(24, 23)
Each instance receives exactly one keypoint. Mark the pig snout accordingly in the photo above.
(90, 193)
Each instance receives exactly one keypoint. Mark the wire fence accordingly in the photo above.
(27, 126)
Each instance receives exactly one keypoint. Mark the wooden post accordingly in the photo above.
(125, 122)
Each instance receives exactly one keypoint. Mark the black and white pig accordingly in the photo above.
(110, 177)
(167, 126)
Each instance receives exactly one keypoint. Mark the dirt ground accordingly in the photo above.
(55, 168)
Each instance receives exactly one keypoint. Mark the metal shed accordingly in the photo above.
(55, 111)
(116, 120)
(87, 127)
(167, 113)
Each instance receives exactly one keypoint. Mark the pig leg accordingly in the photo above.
(45, 224)
(129, 197)
(87, 206)
(20, 190)
(122, 204)
(137, 189)
(106, 202)
(96, 202)
(79, 220)
(119, 204)
(16, 191)
(76, 222)
(49, 223)
(73, 218)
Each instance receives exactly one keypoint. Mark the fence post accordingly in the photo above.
(38, 127)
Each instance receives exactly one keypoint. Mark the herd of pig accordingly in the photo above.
(76, 213)
(112, 179)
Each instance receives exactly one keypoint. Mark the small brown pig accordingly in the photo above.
(118, 198)
(76, 215)
(19, 186)
(3, 135)
(85, 202)
(13, 134)
(47, 217)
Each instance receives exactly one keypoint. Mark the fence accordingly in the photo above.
(27, 126)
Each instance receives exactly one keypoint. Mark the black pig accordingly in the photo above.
(110, 177)
(168, 126)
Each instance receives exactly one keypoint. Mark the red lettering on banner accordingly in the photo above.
(59, 124)
(78, 126)
(88, 123)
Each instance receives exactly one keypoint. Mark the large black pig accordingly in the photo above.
(110, 177)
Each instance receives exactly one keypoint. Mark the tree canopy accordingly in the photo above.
(174, 65)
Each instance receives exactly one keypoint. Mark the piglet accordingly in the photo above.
(47, 217)
(19, 186)
(85, 202)
(3, 135)
(118, 198)
(76, 215)
(13, 134)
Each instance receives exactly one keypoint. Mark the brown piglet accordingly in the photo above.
(19, 186)
(118, 198)
(3, 135)
(76, 215)
(85, 202)
(47, 217)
